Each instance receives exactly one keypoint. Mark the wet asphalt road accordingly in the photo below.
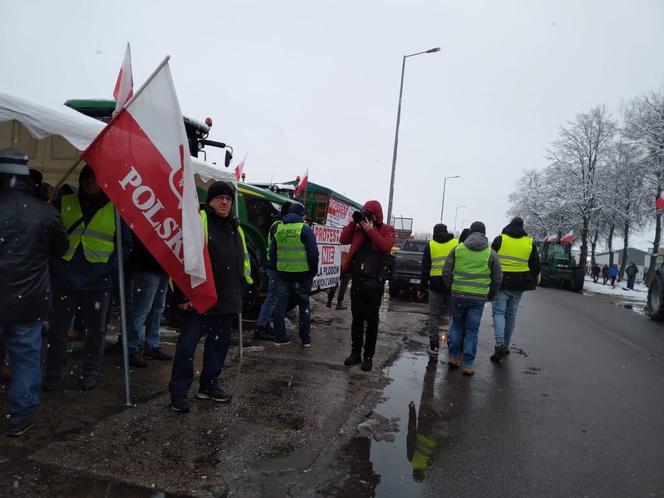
(576, 410)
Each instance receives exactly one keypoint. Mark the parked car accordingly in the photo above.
(407, 267)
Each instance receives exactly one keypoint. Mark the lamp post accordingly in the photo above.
(442, 204)
(456, 215)
(396, 133)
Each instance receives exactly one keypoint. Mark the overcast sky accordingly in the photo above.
(297, 84)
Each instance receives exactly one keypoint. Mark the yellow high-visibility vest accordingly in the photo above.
(515, 253)
(97, 238)
(439, 252)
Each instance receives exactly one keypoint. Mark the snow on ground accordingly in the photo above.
(640, 292)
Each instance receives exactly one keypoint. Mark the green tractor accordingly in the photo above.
(559, 269)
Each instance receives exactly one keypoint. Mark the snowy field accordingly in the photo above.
(640, 292)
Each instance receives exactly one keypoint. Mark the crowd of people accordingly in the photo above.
(611, 273)
(69, 274)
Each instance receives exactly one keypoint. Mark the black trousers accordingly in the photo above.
(218, 329)
(93, 306)
(365, 299)
(342, 286)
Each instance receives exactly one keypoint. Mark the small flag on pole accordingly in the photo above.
(301, 187)
(124, 85)
(240, 168)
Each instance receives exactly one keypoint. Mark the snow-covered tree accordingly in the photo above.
(581, 150)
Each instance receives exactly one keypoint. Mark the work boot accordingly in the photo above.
(353, 359)
(157, 354)
(263, 333)
(179, 404)
(454, 362)
(498, 353)
(367, 365)
(136, 360)
(341, 306)
(468, 371)
(20, 428)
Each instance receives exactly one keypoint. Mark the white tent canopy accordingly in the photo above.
(53, 137)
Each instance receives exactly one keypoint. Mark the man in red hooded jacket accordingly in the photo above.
(369, 238)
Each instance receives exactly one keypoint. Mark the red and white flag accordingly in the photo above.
(124, 85)
(141, 161)
(568, 238)
(239, 168)
(659, 203)
(551, 238)
(302, 186)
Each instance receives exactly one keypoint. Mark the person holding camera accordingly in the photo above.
(369, 263)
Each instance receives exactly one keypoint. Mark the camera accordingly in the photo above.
(359, 216)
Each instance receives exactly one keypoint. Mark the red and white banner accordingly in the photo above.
(551, 238)
(124, 85)
(141, 161)
(339, 214)
(329, 261)
(240, 168)
(302, 186)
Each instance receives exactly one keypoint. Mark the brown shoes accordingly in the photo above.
(468, 371)
(454, 363)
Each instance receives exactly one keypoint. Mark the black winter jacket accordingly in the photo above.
(519, 280)
(31, 232)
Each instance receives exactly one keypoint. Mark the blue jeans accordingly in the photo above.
(466, 318)
(302, 289)
(505, 306)
(270, 302)
(218, 329)
(147, 305)
(23, 343)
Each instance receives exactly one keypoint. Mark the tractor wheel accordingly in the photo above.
(655, 305)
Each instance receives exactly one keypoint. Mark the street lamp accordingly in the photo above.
(396, 133)
(457, 214)
(442, 205)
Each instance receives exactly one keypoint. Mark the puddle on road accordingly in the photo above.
(426, 405)
(635, 306)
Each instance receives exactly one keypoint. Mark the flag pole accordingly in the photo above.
(64, 179)
(147, 82)
(239, 316)
(123, 306)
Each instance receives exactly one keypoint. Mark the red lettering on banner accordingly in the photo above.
(327, 255)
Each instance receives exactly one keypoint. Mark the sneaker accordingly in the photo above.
(367, 365)
(158, 354)
(433, 349)
(263, 334)
(214, 393)
(282, 342)
(136, 360)
(353, 359)
(468, 371)
(306, 344)
(89, 383)
(20, 428)
(341, 306)
(498, 353)
(180, 405)
(454, 363)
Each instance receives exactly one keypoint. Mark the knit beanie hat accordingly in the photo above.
(220, 188)
(13, 162)
(478, 226)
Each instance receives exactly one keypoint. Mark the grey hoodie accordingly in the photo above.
(475, 242)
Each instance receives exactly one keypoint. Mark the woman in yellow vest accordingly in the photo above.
(433, 261)
(472, 271)
(521, 266)
(231, 271)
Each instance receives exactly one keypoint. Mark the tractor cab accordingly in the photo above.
(559, 269)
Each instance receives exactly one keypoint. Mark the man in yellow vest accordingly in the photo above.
(521, 266)
(231, 270)
(433, 261)
(472, 271)
(83, 278)
(294, 248)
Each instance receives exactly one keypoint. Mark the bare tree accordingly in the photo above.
(579, 152)
(644, 125)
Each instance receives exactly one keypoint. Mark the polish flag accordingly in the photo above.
(124, 85)
(659, 203)
(551, 238)
(239, 168)
(569, 238)
(302, 186)
(142, 162)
